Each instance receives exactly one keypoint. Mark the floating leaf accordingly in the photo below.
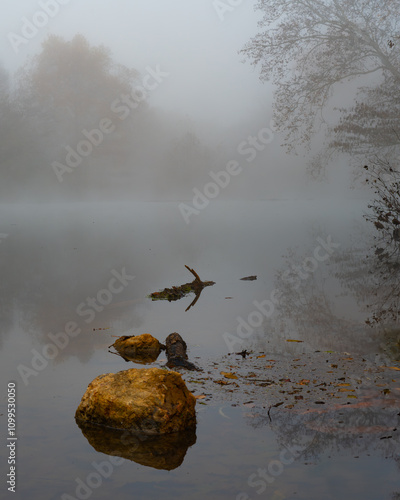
(342, 385)
(229, 375)
(262, 356)
(304, 382)
(221, 382)
(201, 396)
(293, 340)
(392, 368)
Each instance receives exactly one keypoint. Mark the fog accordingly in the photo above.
(205, 106)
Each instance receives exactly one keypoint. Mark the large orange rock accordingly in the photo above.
(151, 401)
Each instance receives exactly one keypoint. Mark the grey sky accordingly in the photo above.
(187, 38)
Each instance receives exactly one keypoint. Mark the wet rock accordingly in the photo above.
(141, 348)
(176, 352)
(165, 452)
(150, 401)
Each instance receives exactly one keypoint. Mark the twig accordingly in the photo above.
(194, 273)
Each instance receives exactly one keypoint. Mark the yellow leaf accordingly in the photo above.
(393, 368)
(292, 340)
(342, 385)
(262, 356)
(304, 382)
(200, 397)
(229, 375)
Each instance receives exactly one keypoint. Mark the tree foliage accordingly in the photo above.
(308, 47)
(71, 84)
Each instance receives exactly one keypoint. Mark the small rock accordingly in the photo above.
(151, 401)
(141, 348)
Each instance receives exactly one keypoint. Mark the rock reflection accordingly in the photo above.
(165, 452)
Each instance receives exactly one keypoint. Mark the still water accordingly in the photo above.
(89, 268)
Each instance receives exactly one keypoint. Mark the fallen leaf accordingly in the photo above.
(221, 382)
(293, 340)
(304, 382)
(200, 396)
(392, 368)
(262, 356)
(229, 375)
(342, 385)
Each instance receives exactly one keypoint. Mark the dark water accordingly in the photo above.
(57, 259)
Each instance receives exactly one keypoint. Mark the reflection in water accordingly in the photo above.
(371, 269)
(162, 452)
(310, 307)
(357, 429)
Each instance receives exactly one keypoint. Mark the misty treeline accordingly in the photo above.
(75, 124)
(335, 66)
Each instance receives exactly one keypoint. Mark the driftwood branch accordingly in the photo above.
(194, 273)
(177, 292)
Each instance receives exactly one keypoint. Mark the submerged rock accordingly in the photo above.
(141, 348)
(150, 401)
(166, 451)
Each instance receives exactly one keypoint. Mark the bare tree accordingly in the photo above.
(307, 47)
